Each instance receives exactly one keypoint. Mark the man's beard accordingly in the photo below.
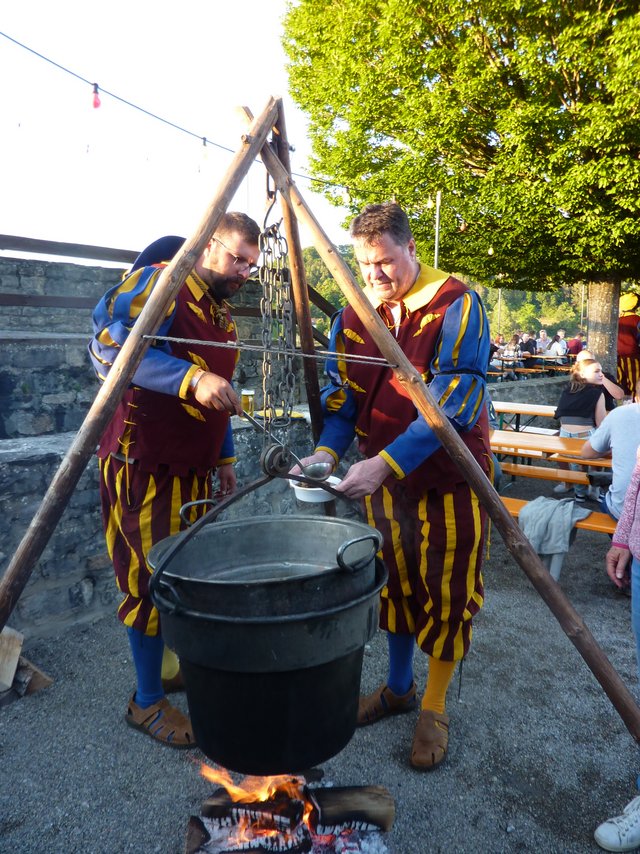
(224, 288)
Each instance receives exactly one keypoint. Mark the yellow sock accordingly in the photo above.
(170, 663)
(440, 675)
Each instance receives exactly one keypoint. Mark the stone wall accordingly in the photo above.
(46, 381)
(46, 388)
(73, 583)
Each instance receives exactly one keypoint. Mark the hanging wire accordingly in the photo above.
(149, 113)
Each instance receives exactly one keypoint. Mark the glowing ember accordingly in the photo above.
(283, 814)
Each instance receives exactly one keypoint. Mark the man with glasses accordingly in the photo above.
(170, 434)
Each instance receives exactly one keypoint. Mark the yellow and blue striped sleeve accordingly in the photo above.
(113, 320)
(459, 382)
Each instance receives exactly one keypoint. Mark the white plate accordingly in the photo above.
(312, 494)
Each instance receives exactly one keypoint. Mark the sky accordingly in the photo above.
(115, 176)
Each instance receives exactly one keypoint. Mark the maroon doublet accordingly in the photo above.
(158, 453)
(432, 522)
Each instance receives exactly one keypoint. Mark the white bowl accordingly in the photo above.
(313, 494)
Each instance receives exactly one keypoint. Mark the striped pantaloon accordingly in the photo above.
(433, 548)
(138, 510)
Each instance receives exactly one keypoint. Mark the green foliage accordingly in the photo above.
(319, 277)
(524, 114)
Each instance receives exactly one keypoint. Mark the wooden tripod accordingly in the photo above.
(103, 408)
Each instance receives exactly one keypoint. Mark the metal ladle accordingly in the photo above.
(314, 471)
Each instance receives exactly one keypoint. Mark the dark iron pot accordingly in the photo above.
(269, 617)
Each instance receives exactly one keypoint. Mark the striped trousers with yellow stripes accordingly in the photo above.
(138, 510)
(628, 373)
(433, 549)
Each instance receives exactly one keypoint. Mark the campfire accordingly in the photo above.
(286, 814)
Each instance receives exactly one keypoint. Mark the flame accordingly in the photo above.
(255, 788)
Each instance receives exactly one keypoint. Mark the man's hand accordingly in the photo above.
(226, 479)
(617, 560)
(214, 392)
(364, 478)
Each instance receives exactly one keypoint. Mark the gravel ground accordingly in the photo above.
(538, 756)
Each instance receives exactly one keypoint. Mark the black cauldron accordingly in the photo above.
(269, 617)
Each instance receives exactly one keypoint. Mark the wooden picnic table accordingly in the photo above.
(555, 448)
(529, 410)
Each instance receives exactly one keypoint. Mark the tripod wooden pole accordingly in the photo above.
(524, 554)
(109, 395)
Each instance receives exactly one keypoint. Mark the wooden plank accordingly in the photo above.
(10, 646)
(545, 473)
(44, 301)
(602, 523)
(73, 250)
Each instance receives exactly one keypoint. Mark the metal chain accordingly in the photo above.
(276, 308)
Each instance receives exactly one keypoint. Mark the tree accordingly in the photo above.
(318, 276)
(524, 114)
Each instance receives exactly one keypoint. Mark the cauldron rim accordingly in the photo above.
(158, 550)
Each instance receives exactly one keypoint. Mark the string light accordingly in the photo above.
(97, 102)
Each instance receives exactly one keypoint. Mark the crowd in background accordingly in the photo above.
(525, 350)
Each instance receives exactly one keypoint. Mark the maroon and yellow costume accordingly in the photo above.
(161, 447)
(628, 349)
(432, 522)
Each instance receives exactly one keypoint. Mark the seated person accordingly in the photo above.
(576, 344)
(512, 358)
(529, 350)
(612, 391)
(495, 351)
(619, 436)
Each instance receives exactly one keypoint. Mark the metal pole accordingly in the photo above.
(499, 308)
(437, 248)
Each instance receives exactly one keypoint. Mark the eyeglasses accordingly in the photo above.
(238, 260)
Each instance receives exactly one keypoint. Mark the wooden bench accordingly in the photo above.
(545, 473)
(600, 522)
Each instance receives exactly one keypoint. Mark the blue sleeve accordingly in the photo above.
(458, 384)
(227, 451)
(113, 320)
(338, 404)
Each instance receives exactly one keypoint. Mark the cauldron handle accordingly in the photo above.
(190, 504)
(184, 536)
(375, 536)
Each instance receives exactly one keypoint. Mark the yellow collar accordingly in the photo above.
(196, 285)
(423, 290)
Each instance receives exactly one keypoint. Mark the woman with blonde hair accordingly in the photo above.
(580, 410)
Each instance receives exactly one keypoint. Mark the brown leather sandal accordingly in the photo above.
(383, 702)
(163, 722)
(430, 741)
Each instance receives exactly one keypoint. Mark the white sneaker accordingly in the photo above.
(562, 487)
(594, 493)
(621, 833)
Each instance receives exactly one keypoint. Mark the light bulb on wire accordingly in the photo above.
(96, 97)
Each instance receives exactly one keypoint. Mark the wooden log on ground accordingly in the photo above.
(10, 646)
(351, 807)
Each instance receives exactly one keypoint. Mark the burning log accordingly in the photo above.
(205, 838)
(289, 819)
(350, 807)
(281, 812)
